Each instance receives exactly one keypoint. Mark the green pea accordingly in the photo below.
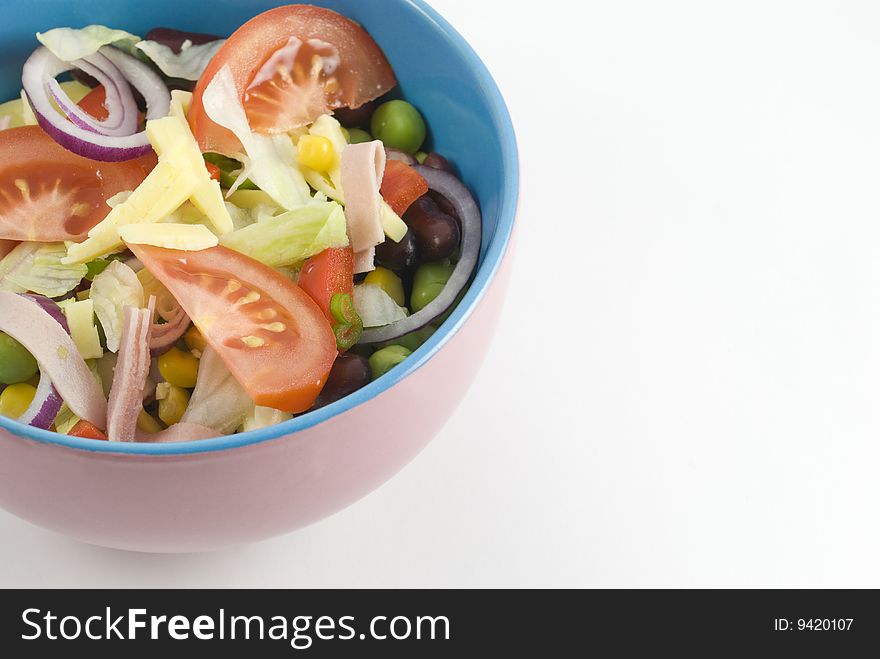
(358, 136)
(414, 340)
(399, 125)
(385, 359)
(428, 283)
(16, 363)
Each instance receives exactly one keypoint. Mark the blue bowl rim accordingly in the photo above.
(486, 273)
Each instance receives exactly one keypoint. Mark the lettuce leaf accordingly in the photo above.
(270, 161)
(113, 290)
(69, 44)
(188, 64)
(375, 307)
(37, 267)
(293, 236)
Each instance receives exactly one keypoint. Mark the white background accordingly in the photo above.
(685, 389)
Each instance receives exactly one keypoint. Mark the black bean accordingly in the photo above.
(436, 161)
(84, 78)
(357, 117)
(437, 233)
(398, 256)
(175, 39)
(350, 372)
(444, 205)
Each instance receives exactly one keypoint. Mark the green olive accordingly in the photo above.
(387, 358)
(399, 125)
(16, 363)
(428, 283)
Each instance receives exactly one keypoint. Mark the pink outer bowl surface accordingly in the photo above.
(204, 501)
(225, 491)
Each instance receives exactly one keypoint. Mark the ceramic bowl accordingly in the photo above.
(243, 488)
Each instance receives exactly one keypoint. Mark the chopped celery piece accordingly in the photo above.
(263, 417)
(65, 420)
(293, 236)
(81, 320)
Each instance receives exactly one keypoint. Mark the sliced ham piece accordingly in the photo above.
(363, 166)
(130, 375)
(59, 359)
(365, 261)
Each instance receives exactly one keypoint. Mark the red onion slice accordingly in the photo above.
(144, 79)
(42, 65)
(166, 335)
(47, 401)
(122, 119)
(45, 406)
(466, 207)
(25, 319)
(51, 308)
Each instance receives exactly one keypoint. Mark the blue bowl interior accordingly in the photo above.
(438, 72)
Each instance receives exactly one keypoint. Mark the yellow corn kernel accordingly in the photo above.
(16, 398)
(146, 423)
(316, 152)
(388, 282)
(194, 339)
(173, 405)
(179, 368)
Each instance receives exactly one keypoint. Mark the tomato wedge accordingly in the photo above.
(325, 275)
(93, 103)
(270, 334)
(401, 186)
(6, 246)
(291, 65)
(48, 194)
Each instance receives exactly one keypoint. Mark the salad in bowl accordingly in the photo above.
(202, 235)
